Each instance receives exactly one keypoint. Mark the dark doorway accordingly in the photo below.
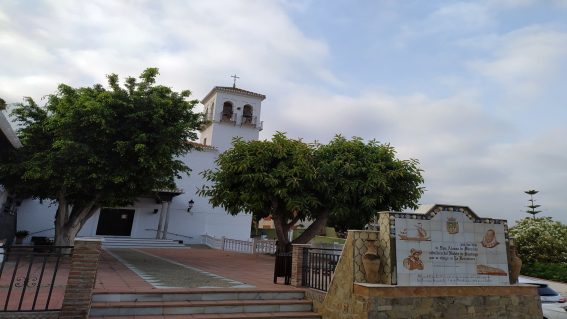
(115, 222)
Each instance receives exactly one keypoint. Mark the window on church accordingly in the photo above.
(247, 114)
(227, 112)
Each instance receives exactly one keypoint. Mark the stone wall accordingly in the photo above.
(465, 302)
(349, 299)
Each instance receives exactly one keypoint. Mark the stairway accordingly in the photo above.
(203, 304)
(127, 242)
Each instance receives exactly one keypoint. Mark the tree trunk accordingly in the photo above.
(281, 232)
(314, 228)
(67, 235)
(68, 224)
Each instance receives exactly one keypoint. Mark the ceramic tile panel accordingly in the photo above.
(447, 245)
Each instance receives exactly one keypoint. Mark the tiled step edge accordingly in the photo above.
(195, 303)
(256, 315)
(199, 307)
(199, 296)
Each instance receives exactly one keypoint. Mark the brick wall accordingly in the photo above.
(81, 281)
(297, 264)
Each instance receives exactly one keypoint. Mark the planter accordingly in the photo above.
(515, 265)
(371, 263)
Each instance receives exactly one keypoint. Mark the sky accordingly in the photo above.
(475, 90)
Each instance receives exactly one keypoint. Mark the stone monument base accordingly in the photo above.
(462, 302)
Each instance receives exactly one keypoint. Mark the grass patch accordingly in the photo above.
(327, 240)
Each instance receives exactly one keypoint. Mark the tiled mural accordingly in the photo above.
(449, 246)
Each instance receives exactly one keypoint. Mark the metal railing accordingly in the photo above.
(318, 267)
(30, 276)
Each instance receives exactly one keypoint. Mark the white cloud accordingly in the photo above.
(448, 21)
(524, 61)
(461, 16)
(469, 156)
(81, 42)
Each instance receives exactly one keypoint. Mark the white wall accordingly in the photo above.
(37, 218)
(203, 219)
(220, 134)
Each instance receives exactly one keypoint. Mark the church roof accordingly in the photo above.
(233, 90)
(203, 146)
(7, 134)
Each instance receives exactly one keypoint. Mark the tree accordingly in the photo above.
(292, 181)
(91, 147)
(540, 240)
(532, 207)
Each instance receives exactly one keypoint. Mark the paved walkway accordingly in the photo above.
(186, 265)
(560, 287)
(165, 273)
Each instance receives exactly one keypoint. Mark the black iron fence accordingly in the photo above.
(282, 267)
(318, 267)
(33, 278)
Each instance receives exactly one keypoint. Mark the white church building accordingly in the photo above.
(180, 214)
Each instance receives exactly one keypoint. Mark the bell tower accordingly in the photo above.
(231, 112)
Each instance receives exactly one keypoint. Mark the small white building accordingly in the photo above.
(232, 112)
(8, 204)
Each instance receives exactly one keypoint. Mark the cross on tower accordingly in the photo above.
(234, 77)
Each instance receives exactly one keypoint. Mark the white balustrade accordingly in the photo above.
(255, 246)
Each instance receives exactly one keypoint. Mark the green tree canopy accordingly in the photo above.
(94, 146)
(345, 180)
(540, 240)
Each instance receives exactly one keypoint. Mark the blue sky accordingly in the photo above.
(473, 89)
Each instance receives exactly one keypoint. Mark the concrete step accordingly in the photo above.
(199, 295)
(141, 308)
(257, 315)
(202, 304)
(127, 242)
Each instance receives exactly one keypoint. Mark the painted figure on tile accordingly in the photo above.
(420, 234)
(490, 270)
(489, 239)
(452, 225)
(413, 261)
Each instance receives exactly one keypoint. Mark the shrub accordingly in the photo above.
(549, 271)
(540, 240)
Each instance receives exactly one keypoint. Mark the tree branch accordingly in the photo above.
(314, 228)
(295, 219)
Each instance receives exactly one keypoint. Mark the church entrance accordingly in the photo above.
(115, 222)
